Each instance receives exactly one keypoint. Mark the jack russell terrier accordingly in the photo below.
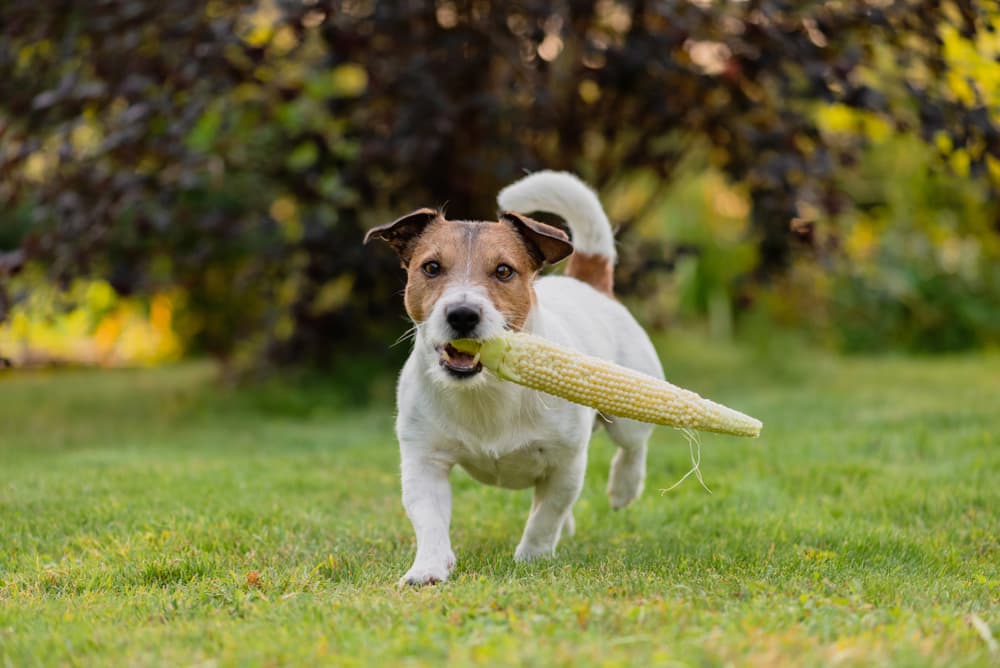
(474, 279)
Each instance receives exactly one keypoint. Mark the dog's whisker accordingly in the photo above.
(410, 333)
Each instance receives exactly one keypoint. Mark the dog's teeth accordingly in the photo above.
(444, 355)
(475, 359)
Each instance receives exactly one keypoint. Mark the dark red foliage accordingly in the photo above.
(458, 102)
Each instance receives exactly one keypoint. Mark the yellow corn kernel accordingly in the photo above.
(537, 363)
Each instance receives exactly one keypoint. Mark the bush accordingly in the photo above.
(238, 151)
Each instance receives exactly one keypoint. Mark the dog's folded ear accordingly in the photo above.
(403, 232)
(546, 243)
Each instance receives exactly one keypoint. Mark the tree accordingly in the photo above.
(241, 150)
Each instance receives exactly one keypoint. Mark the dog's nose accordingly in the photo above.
(462, 319)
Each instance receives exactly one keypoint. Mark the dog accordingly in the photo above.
(475, 279)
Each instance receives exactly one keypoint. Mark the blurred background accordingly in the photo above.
(182, 178)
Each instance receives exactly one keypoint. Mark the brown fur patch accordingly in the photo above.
(403, 232)
(594, 270)
(470, 252)
(550, 244)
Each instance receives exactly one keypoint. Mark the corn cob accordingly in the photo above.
(537, 363)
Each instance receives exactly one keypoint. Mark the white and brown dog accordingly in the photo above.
(473, 279)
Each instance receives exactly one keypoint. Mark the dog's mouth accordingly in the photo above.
(459, 364)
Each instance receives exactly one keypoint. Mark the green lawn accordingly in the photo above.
(155, 518)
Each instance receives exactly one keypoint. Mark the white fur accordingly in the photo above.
(506, 435)
(569, 198)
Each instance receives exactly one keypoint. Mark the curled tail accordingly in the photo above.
(571, 199)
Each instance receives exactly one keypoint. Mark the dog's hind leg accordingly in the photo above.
(569, 525)
(628, 467)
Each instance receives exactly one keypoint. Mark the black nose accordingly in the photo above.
(462, 319)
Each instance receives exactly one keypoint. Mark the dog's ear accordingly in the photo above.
(546, 243)
(403, 232)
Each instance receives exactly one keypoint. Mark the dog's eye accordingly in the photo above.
(504, 272)
(431, 268)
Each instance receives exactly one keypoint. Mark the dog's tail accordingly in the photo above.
(571, 199)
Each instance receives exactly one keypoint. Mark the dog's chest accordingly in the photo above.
(516, 469)
(501, 434)
(512, 455)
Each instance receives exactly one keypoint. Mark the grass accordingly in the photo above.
(153, 518)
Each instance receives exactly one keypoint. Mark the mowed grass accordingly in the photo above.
(153, 517)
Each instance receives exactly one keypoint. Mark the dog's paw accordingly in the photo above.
(626, 480)
(525, 553)
(418, 577)
(620, 496)
(428, 573)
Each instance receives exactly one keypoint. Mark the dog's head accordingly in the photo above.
(468, 279)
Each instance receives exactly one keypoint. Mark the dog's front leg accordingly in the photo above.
(552, 508)
(427, 499)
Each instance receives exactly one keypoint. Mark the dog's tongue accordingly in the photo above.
(459, 360)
